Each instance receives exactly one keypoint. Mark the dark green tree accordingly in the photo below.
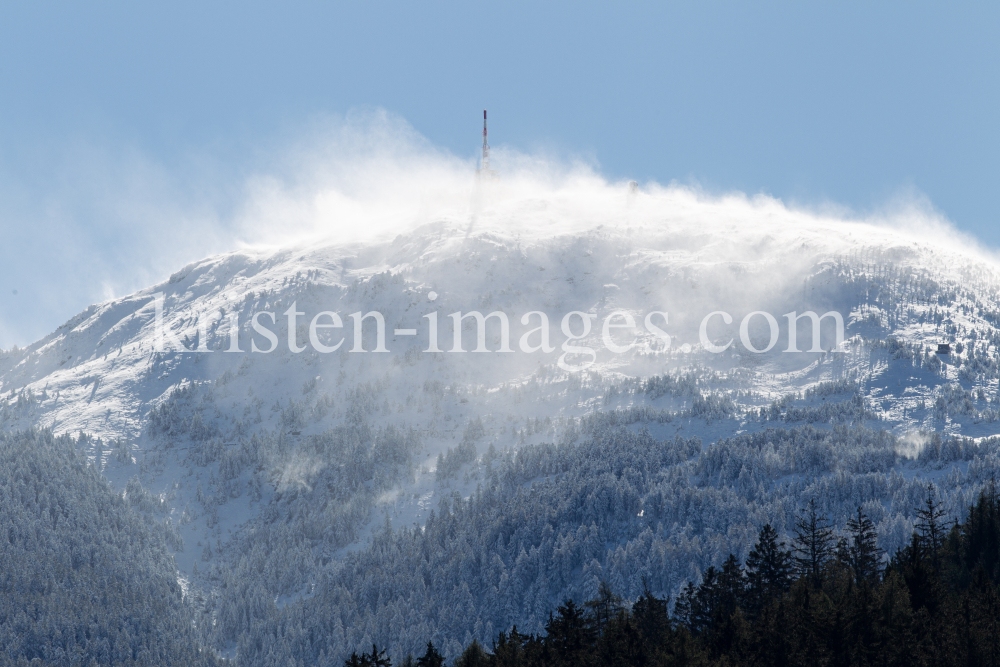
(930, 526)
(379, 658)
(519, 650)
(863, 553)
(976, 543)
(716, 598)
(621, 644)
(729, 629)
(684, 609)
(768, 569)
(813, 544)
(922, 580)
(431, 657)
(732, 587)
(604, 607)
(472, 656)
(893, 624)
(982, 609)
(651, 617)
(703, 604)
(376, 658)
(570, 636)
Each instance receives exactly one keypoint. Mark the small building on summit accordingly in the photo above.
(944, 348)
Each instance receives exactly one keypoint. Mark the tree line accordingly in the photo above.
(822, 600)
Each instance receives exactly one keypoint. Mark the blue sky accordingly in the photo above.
(126, 129)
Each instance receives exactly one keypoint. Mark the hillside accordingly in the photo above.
(85, 578)
(404, 495)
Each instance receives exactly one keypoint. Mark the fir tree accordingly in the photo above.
(431, 657)
(651, 616)
(684, 609)
(569, 635)
(768, 568)
(931, 527)
(813, 544)
(863, 553)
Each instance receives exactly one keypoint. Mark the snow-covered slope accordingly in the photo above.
(273, 469)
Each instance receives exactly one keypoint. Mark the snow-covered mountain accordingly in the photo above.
(320, 499)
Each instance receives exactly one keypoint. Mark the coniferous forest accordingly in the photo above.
(84, 578)
(817, 601)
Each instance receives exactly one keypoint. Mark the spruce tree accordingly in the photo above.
(684, 609)
(979, 537)
(930, 525)
(508, 649)
(813, 543)
(431, 657)
(705, 601)
(732, 588)
(651, 617)
(570, 635)
(768, 569)
(863, 553)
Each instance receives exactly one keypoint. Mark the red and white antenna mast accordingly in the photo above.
(485, 169)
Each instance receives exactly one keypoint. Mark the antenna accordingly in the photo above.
(485, 170)
(486, 146)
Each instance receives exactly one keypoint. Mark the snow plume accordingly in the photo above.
(297, 473)
(912, 443)
(370, 176)
(101, 223)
